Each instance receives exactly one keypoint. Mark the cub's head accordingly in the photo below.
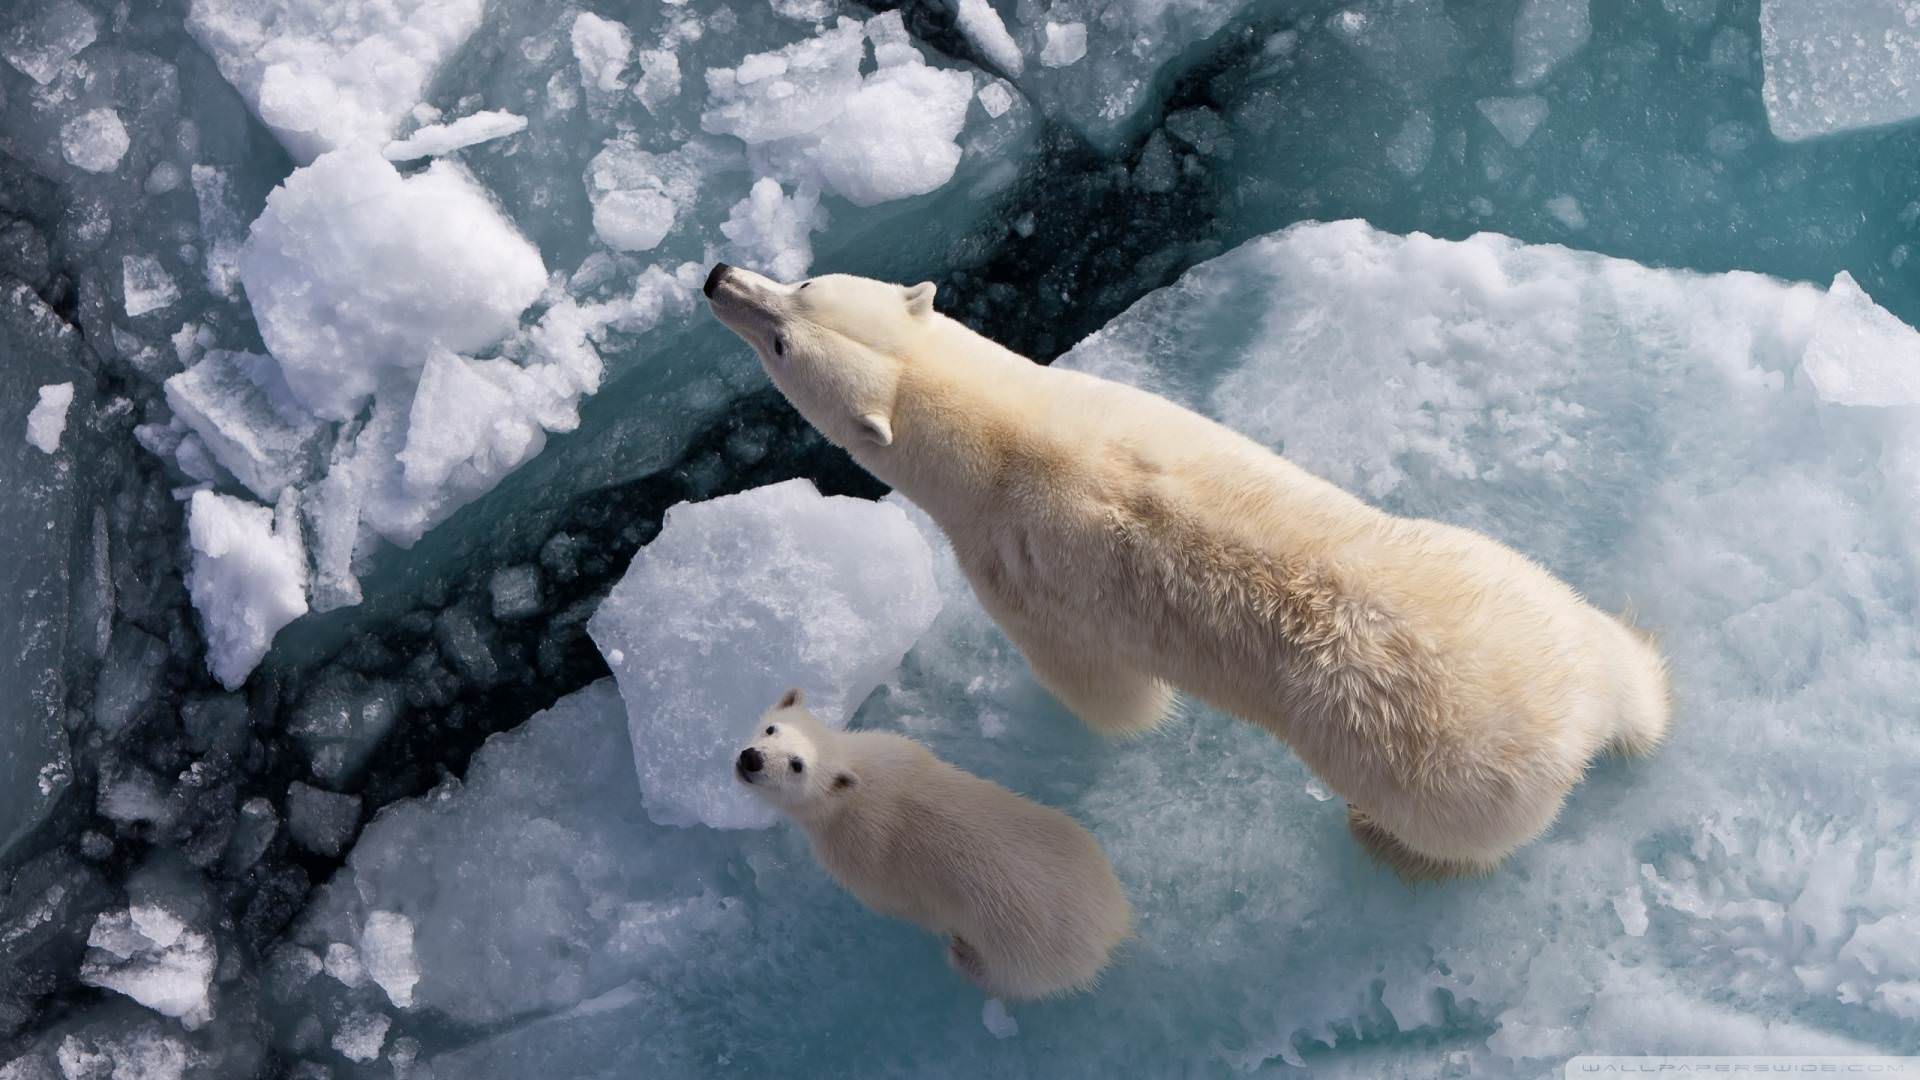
(789, 762)
(834, 345)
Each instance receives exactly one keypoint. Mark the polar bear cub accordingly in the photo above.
(1024, 896)
(1450, 689)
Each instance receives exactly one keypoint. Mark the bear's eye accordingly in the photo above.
(779, 346)
(769, 730)
(796, 766)
(804, 284)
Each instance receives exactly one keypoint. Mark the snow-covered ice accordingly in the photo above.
(48, 420)
(738, 599)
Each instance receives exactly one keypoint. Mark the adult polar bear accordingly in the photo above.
(1450, 689)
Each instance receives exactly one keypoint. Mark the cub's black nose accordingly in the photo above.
(713, 278)
(751, 761)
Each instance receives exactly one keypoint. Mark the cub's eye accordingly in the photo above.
(796, 766)
(769, 730)
(779, 346)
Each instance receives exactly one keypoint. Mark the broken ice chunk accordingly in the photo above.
(1860, 354)
(147, 953)
(1836, 65)
(602, 47)
(324, 74)
(437, 139)
(637, 196)
(342, 720)
(323, 822)
(355, 272)
(221, 227)
(740, 598)
(248, 578)
(361, 1035)
(48, 420)
(516, 591)
(984, 28)
(1514, 118)
(42, 37)
(146, 285)
(265, 444)
(387, 945)
(1546, 32)
(896, 136)
(95, 140)
(770, 231)
(1066, 44)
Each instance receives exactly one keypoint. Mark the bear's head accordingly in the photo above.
(790, 762)
(834, 345)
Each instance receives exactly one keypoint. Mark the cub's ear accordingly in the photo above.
(791, 698)
(877, 427)
(920, 298)
(844, 781)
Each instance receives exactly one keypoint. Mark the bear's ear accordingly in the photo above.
(791, 698)
(877, 427)
(920, 298)
(844, 781)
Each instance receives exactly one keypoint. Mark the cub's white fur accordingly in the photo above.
(1024, 896)
(1450, 689)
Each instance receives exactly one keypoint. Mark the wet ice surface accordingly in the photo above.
(387, 314)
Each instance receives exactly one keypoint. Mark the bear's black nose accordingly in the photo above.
(718, 272)
(751, 761)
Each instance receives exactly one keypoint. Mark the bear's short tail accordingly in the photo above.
(1643, 703)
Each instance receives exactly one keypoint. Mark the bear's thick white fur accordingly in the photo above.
(1024, 896)
(1450, 689)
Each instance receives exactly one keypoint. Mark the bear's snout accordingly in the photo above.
(750, 762)
(714, 277)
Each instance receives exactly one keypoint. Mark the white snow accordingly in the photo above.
(147, 953)
(323, 74)
(1546, 33)
(1066, 44)
(356, 274)
(248, 578)
(95, 140)
(48, 420)
(984, 28)
(437, 139)
(738, 599)
(1838, 65)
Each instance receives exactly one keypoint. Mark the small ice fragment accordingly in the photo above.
(387, 945)
(361, 1035)
(516, 592)
(95, 140)
(1566, 210)
(323, 822)
(1410, 148)
(343, 963)
(1836, 65)
(1631, 906)
(149, 954)
(437, 139)
(1514, 118)
(602, 47)
(1066, 44)
(984, 28)
(1318, 790)
(769, 230)
(996, 97)
(1000, 1023)
(147, 285)
(48, 420)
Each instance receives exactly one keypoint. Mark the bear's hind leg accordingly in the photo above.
(1409, 865)
(1110, 700)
